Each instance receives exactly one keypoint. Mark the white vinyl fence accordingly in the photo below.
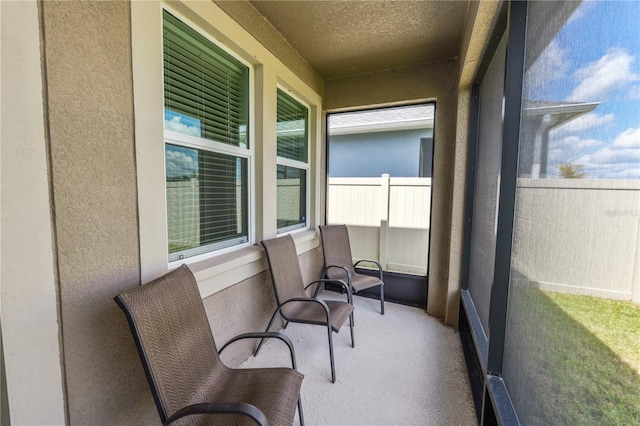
(388, 219)
(579, 236)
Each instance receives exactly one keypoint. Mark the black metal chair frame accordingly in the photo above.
(312, 300)
(348, 272)
(240, 408)
(349, 277)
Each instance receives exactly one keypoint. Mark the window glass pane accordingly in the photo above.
(292, 128)
(292, 198)
(205, 88)
(573, 326)
(206, 201)
(485, 203)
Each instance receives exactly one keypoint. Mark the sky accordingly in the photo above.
(594, 58)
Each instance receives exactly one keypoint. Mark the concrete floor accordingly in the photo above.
(407, 368)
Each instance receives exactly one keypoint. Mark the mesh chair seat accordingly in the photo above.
(293, 303)
(312, 313)
(265, 388)
(336, 250)
(358, 281)
(174, 341)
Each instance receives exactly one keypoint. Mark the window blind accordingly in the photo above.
(292, 128)
(206, 200)
(206, 94)
(205, 88)
(292, 197)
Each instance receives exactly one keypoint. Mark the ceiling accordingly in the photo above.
(343, 38)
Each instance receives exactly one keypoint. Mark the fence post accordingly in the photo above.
(384, 218)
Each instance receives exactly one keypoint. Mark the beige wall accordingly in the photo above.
(255, 24)
(93, 238)
(481, 18)
(94, 186)
(90, 111)
(29, 314)
(437, 81)
(248, 306)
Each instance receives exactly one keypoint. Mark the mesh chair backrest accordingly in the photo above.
(336, 249)
(284, 267)
(174, 338)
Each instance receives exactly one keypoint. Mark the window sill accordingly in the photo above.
(217, 273)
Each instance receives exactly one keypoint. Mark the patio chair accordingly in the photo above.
(293, 303)
(338, 263)
(187, 378)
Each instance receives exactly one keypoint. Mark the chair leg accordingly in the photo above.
(300, 411)
(333, 365)
(317, 290)
(353, 345)
(351, 301)
(382, 299)
(268, 327)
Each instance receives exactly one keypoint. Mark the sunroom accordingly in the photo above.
(113, 173)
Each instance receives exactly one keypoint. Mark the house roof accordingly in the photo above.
(381, 120)
(556, 113)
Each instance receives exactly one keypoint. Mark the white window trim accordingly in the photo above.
(281, 161)
(221, 269)
(180, 139)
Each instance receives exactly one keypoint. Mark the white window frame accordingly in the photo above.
(280, 161)
(180, 139)
(216, 271)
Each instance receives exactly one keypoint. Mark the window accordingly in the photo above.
(293, 163)
(207, 152)
(572, 342)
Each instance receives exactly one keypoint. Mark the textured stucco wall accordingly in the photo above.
(437, 82)
(90, 106)
(255, 24)
(248, 306)
(481, 18)
(93, 167)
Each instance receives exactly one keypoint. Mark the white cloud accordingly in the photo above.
(634, 93)
(630, 138)
(176, 125)
(618, 160)
(624, 171)
(180, 164)
(598, 79)
(585, 122)
(611, 156)
(551, 65)
(613, 171)
(567, 148)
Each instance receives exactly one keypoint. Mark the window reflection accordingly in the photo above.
(582, 92)
(573, 324)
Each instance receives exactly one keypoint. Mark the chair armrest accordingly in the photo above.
(263, 335)
(241, 408)
(342, 283)
(371, 261)
(309, 299)
(346, 270)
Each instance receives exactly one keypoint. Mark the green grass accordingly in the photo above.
(615, 323)
(573, 360)
(173, 247)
